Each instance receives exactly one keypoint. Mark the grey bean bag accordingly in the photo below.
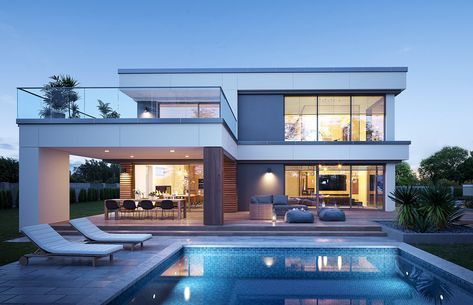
(331, 214)
(299, 216)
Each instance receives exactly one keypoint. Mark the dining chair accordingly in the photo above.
(167, 205)
(129, 206)
(148, 207)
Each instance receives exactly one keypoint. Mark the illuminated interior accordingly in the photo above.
(169, 180)
(338, 185)
(334, 118)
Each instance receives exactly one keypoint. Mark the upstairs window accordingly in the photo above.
(334, 118)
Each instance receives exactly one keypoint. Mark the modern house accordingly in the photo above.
(223, 134)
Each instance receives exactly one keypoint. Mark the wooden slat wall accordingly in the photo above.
(127, 181)
(230, 194)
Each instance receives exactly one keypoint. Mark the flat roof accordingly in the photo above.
(261, 70)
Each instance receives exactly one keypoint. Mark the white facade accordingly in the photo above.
(45, 145)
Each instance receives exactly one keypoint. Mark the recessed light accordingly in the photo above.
(106, 150)
(132, 156)
(171, 150)
(187, 156)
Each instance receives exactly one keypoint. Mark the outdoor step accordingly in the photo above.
(248, 233)
(235, 228)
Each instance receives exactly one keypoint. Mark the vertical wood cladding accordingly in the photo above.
(213, 185)
(127, 180)
(230, 194)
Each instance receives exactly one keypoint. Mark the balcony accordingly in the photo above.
(143, 104)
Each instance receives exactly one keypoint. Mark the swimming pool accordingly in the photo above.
(309, 276)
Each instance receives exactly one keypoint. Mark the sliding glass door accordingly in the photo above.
(341, 185)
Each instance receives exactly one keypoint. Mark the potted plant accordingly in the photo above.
(106, 111)
(60, 98)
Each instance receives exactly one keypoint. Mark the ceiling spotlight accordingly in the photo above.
(132, 156)
(171, 150)
(187, 156)
(107, 150)
(339, 165)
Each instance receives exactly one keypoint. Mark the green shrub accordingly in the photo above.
(406, 199)
(6, 200)
(439, 207)
(82, 195)
(92, 194)
(458, 192)
(102, 194)
(72, 195)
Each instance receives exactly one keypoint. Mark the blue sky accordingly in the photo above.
(92, 39)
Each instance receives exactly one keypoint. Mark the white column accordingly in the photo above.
(44, 186)
(390, 181)
(390, 118)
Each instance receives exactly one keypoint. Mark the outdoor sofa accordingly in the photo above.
(263, 206)
(50, 243)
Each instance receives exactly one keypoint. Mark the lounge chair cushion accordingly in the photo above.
(92, 232)
(331, 214)
(50, 241)
(280, 199)
(262, 199)
(299, 216)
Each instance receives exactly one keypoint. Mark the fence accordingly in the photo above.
(9, 192)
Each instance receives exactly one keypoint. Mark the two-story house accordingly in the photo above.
(222, 135)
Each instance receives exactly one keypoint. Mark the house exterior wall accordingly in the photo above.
(256, 97)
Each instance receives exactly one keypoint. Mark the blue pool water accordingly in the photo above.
(312, 276)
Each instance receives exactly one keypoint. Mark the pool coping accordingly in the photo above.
(120, 286)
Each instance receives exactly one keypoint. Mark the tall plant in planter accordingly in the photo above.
(406, 199)
(439, 207)
(60, 98)
(106, 111)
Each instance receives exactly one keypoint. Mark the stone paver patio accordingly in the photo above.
(75, 281)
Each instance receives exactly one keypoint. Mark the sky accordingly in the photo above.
(90, 40)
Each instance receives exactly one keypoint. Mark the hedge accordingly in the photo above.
(82, 195)
(6, 200)
(72, 195)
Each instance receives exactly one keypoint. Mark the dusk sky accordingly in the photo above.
(90, 40)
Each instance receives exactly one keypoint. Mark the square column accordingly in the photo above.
(390, 181)
(44, 186)
(213, 185)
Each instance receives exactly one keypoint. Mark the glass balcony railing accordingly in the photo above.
(125, 102)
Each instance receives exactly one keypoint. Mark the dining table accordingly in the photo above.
(181, 205)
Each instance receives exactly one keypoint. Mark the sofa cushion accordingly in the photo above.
(299, 216)
(280, 199)
(280, 210)
(331, 214)
(262, 199)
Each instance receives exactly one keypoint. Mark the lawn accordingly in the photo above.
(10, 252)
(460, 254)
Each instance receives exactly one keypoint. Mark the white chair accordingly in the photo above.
(50, 243)
(95, 235)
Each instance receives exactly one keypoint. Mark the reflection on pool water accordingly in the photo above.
(312, 276)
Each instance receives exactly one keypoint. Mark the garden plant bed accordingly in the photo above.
(454, 234)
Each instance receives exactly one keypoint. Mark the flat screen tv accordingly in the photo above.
(333, 182)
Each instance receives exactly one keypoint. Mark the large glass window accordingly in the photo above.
(339, 185)
(189, 110)
(367, 118)
(300, 118)
(334, 118)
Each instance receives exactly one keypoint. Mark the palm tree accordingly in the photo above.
(106, 111)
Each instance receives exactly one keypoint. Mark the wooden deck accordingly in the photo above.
(358, 223)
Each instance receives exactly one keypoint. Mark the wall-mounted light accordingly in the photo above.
(146, 109)
(269, 170)
(123, 170)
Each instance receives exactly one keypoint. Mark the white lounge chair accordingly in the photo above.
(95, 235)
(50, 243)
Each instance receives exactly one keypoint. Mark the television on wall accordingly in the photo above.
(333, 182)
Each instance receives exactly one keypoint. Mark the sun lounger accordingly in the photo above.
(50, 243)
(95, 235)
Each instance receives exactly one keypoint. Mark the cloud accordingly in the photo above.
(405, 49)
(7, 146)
